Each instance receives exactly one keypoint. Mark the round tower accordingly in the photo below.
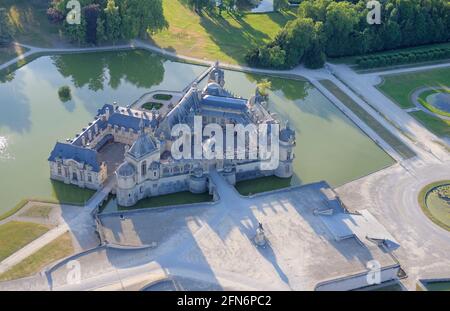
(287, 145)
(197, 181)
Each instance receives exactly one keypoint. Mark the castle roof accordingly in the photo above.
(143, 145)
(126, 169)
(224, 102)
(76, 153)
(287, 133)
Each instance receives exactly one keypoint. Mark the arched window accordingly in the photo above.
(144, 168)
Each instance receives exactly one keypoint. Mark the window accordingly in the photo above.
(289, 155)
(154, 174)
(144, 168)
(59, 169)
(89, 178)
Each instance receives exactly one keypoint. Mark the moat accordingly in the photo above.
(329, 146)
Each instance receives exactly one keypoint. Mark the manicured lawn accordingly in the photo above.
(433, 207)
(387, 136)
(162, 96)
(55, 250)
(263, 184)
(151, 105)
(171, 199)
(400, 87)
(423, 100)
(436, 125)
(70, 194)
(16, 234)
(216, 38)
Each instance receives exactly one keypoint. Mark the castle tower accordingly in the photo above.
(217, 75)
(287, 144)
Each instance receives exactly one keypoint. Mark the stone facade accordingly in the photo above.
(149, 169)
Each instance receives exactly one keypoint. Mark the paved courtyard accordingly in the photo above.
(213, 243)
(113, 154)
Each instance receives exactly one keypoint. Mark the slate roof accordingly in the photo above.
(77, 153)
(225, 102)
(126, 169)
(142, 146)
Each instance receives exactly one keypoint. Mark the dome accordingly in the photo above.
(213, 88)
(126, 169)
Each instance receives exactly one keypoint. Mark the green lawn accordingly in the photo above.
(70, 194)
(162, 96)
(263, 184)
(436, 125)
(224, 38)
(151, 105)
(435, 209)
(387, 136)
(171, 199)
(423, 101)
(55, 250)
(16, 234)
(400, 87)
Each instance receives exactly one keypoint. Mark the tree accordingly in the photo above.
(141, 17)
(101, 32)
(5, 28)
(263, 87)
(90, 14)
(112, 21)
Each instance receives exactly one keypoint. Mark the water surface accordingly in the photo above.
(32, 118)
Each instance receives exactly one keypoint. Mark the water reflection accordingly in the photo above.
(4, 155)
(139, 68)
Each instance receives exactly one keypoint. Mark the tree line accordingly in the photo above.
(329, 28)
(109, 20)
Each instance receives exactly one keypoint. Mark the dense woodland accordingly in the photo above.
(329, 28)
(110, 20)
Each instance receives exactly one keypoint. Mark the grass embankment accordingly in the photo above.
(423, 101)
(70, 194)
(16, 234)
(436, 125)
(403, 150)
(441, 219)
(400, 87)
(11, 52)
(55, 250)
(224, 38)
(170, 199)
(263, 184)
(62, 194)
